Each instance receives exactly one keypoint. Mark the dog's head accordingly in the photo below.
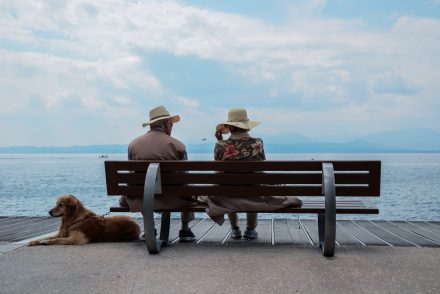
(66, 205)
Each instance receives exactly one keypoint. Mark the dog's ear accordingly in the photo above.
(71, 204)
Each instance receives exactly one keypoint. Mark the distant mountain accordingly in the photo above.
(410, 138)
(404, 140)
(281, 139)
(100, 149)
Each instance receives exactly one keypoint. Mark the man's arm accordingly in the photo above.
(184, 155)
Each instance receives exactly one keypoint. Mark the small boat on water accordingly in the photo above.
(103, 156)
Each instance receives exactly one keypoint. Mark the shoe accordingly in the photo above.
(186, 236)
(250, 234)
(235, 233)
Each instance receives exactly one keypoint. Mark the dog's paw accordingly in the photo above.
(34, 243)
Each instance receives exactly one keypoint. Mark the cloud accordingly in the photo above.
(116, 59)
(186, 102)
(388, 83)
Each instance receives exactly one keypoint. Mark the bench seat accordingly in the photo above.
(364, 206)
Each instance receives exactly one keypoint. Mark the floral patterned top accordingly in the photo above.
(247, 148)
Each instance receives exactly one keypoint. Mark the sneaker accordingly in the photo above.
(235, 233)
(250, 234)
(186, 236)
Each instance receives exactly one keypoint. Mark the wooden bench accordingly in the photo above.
(326, 179)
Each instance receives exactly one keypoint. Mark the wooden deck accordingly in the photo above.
(271, 231)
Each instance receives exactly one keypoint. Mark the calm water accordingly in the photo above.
(30, 183)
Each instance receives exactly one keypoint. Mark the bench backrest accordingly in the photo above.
(244, 178)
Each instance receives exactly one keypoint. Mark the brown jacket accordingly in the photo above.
(153, 145)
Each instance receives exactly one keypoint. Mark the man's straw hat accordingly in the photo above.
(237, 117)
(160, 113)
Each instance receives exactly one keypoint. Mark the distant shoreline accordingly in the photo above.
(208, 148)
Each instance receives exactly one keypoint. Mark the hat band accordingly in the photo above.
(243, 120)
(165, 115)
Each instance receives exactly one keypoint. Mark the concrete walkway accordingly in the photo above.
(208, 268)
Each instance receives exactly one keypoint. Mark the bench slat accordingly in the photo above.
(309, 206)
(243, 179)
(244, 191)
(238, 166)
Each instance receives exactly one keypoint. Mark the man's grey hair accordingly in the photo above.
(158, 124)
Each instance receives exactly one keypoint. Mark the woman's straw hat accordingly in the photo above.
(160, 113)
(237, 117)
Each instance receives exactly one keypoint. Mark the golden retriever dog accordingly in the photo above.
(81, 226)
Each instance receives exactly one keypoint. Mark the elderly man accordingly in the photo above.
(158, 144)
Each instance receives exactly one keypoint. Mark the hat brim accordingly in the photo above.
(174, 119)
(223, 127)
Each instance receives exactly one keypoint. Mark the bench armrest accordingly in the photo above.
(327, 222)
(152, 186)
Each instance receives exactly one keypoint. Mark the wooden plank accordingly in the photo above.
(27, 228)
(40, 231)
(117, 208)
(311, 226)
(383, 234)
(22, 222)
(217, 234)
(202, 227)
(13, 219)
(243, 179)
(240, 166)
(248, 179)
(245, 191)
(299, 236)
(344, 238)
(264, 230)
(174, 232)
(435, 223)
(361, 233)
(428, 226)
(407, 235)
(419, 230)
(281, 232)
(112, 167)
(226, 179)
(174, 223)
(237, 191)
(37, 229)
(317, 206)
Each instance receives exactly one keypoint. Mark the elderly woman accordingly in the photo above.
(241, 146)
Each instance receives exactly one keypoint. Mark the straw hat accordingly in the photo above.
(160, 113)
(237, 117)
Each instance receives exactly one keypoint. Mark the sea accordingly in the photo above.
(31, 183)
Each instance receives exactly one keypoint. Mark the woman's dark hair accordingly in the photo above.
(233, 129)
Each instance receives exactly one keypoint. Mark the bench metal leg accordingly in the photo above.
(327, 221)
(152, 186)
(165, 227)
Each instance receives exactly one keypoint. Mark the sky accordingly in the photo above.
(86, 72)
